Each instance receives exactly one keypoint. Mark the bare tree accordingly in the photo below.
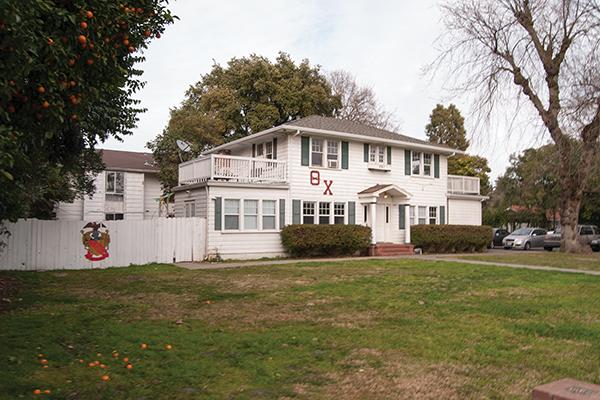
(545, 51)
(359, 103)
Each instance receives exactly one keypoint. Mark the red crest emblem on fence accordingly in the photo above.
(95, 240)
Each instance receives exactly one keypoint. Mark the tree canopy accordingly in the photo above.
(67, 76)
(447, 126)
(359, 103)
(246, 96)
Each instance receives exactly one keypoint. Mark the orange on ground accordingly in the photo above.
(105, 378)
(44, 361)
(37, 391)
(126, 359)
(47, 391)
(168, 347)
(129, 366)
(144, 346)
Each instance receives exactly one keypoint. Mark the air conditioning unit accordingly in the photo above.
(332, 163)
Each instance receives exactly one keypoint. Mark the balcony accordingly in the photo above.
(463, 185)
(218, 167)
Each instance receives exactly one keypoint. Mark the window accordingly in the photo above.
(232, 214)
(268, 214)
(412, 215)
(339, 212)
(189, 208)
(250, 214)
(259, 150)
(308, 212)
(427, 164)
(113, 217)
(324, 212)
(432, 215)
(115, 186)
(317, 152)
(376, 154)
(422, 215)
(586, 230)
(269, 150)
(332, 154)
(416, 163)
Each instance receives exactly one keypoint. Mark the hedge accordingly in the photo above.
(325, 240)
(451, 238)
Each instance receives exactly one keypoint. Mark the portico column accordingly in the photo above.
(407, 222)
(373, 212)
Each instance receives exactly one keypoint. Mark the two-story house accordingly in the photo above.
(320, 170)
(128, 188)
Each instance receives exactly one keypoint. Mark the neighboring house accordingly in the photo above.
(319, 170)
(128, 189)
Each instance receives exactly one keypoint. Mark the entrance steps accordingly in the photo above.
(391, 249)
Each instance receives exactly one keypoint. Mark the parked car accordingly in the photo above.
(497, 235)
(595, 245)
(586, 233)
(525, 238)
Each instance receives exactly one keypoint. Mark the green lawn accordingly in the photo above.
(349, 330)
(550, 259)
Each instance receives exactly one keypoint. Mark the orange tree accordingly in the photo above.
(67, 77)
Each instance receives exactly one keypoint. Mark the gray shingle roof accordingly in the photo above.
(356, 128)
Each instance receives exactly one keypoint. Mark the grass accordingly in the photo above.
(550, 259)
(376, 329)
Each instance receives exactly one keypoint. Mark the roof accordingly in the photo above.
(390, 188)
(374, 189)
(128, 161)
(356, 128)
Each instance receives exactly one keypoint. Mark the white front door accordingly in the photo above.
(384, 222)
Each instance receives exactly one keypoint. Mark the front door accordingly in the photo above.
(384, 219)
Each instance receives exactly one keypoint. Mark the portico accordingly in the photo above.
(387, 213)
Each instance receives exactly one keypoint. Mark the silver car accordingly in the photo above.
(525, 239)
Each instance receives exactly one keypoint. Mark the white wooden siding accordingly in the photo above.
(152, 192)
(134, 195)
(464, 212)
(93, 207)
(70, 211)
(241, 244)
(198, 195)
(36, 244)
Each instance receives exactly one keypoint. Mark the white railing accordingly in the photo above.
(232, 169)
(463, 184)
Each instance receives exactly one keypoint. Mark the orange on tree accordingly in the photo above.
(41, 90)
(89, 14)
(82, 39)
(45, 104)
(83, 25)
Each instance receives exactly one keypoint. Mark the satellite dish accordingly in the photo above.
(183, 146)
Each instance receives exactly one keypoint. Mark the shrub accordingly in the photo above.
(451, 238)
(325, 240)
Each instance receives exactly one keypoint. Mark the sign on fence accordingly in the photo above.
(36, 244)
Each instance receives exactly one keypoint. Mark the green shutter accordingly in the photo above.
(351, 213)
(305, 150)
(442, 215)
(296, 211)
(281, 213)
(253, 150)
(274, 148)
(402, 216)
(218, 205)
(344, 155)
(436, 165)
(389, 155)
(407, 156)
(366, 152)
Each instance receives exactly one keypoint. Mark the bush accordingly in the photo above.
(451, 238)
(325, 240)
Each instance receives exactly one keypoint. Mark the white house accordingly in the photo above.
(320, 170)
(128, 189)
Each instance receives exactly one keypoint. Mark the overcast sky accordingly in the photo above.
(385, 44)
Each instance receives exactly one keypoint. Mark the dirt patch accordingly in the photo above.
(398, 377)
(8, 290)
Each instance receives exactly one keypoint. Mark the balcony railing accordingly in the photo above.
(463, 184)
(225, 168)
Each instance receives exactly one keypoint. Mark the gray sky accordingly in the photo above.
(385, 44)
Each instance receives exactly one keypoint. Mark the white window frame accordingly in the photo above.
(377, 154)
(412, 215)
(432, 216)
(189, 208)
(339, 210)
(326, 155)
(269, 150)
(327, 206)
(422, 216)
(249, 215)
(269, 215)
(333, 154)
(114, 216)
(313, 205)
(416, 162)
(320, 143)
(227, 214)
(427, 164)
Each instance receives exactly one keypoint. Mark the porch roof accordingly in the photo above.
(376, 190)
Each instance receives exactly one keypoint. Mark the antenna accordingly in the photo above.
(183, 146)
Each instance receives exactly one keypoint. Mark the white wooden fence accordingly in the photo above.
(41, 245)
